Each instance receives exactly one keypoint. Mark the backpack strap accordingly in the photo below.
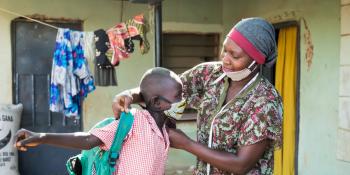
(125, 123)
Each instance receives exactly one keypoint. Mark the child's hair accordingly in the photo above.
(156, 81)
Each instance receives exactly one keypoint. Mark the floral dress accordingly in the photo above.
(253, 115)
(71, 78)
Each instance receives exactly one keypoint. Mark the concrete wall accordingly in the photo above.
(319, 87)
(343, 152)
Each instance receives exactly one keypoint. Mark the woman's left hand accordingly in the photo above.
(178, 139)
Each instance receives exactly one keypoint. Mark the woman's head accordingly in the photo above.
(251, 39)
(160, 88)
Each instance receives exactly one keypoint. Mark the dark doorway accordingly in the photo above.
(32, 48)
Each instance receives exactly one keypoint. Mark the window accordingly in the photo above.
(182, 51)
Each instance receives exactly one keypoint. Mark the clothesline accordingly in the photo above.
(67, 96)
(49, 25)
(17, 14)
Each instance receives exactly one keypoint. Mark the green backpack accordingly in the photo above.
(98, 161)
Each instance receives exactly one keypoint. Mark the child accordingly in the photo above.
(145, 148)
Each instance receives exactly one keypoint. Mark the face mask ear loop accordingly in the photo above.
(252, 64)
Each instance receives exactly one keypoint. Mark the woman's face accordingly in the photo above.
(233, 57)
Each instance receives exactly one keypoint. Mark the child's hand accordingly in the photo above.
(25, 138)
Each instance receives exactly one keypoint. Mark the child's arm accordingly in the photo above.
(78, 140)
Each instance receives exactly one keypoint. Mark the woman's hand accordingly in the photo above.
(121, 103)
(238, 163)
(178, 139)
(25, 138)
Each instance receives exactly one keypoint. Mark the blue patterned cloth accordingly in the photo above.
(71, 79)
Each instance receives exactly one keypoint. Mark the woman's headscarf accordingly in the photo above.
(256, 37)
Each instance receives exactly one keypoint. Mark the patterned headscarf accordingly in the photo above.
(256, 37)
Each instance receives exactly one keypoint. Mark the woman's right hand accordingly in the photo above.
(121, 103)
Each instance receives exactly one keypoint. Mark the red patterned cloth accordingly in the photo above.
(126, 31)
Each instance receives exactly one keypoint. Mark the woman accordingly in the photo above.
(239, 111)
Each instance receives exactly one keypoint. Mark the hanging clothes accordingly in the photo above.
(71, 79)
(121, 38)
(116, 37)
(105, 74)
(102, 46)
(138, 28)
(89, 46)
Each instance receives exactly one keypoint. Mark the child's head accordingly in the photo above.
(160, 88)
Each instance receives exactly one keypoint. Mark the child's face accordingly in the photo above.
(170, 96)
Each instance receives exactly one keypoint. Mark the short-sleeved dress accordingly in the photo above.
(252, 116)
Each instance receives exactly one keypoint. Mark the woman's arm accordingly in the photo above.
(239, 163)
(192, 83)
(78, 140)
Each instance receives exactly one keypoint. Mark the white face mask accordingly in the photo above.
(242, 74)
(176, 110)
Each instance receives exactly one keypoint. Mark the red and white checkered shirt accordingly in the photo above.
(144, 151)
